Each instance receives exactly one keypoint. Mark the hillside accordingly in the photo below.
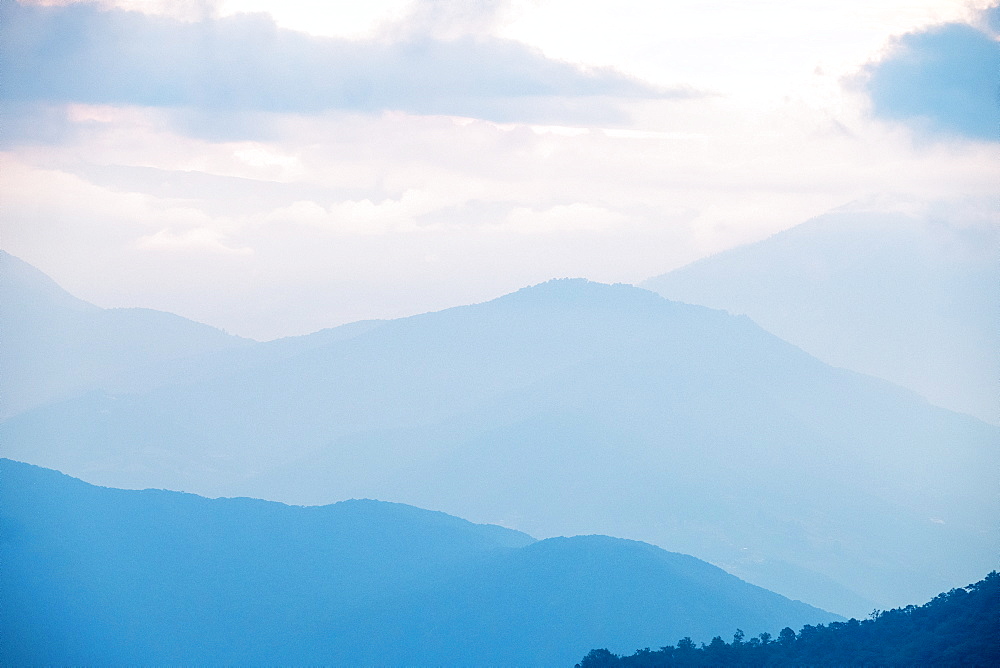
(957, 628)
(574, 408)
(54, 346)
(110, 577)
(910, 296)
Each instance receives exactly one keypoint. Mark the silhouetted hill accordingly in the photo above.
(570, 408)
(910, 297)
(957, 628)
(111, 577)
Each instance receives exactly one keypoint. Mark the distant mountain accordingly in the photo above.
(112, 577)
(957, 628)
(910, 297)
(54, 346)
(571, 408)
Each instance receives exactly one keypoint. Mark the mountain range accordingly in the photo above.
(565, 408)
(98, 576)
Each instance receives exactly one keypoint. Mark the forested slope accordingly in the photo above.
(958, 628)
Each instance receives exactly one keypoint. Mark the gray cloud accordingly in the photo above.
(246, 64)
(945, 79)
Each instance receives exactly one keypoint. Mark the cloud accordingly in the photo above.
(565, 218)
(449, 19)
(945, 79)
(198, 239)
(361, 217)
(991, 18)
(245, 64)
(354, 216)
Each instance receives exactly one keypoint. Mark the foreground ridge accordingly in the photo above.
(956, 628)
(95, 576)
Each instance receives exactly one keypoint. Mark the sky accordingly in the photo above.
(273, 168)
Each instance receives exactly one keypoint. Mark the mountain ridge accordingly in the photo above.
(54, 346)
(103, 575)
(607, 410)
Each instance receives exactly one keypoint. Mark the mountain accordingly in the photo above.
(111, 577)
(54, 346)
(957, 628)
(907, 296)
(573, 408)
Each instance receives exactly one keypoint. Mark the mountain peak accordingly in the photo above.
(582, 292)
(22, 285)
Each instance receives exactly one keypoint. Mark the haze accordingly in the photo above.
(314, 164)
(560, 326)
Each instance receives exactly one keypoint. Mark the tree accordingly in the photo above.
(599, 658)
(685, 644)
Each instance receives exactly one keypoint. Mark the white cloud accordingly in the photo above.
(331, 18)
(564, 219)
(260, 156)
(758, 52)
(360, 217)
(196, 239)
(351, 206)
(328, 217)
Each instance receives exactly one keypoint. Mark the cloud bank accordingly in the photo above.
(244, 173)
(945, 80)
(246, 63)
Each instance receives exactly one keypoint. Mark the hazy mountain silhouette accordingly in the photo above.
(104, 576)
(912, 298)
(54, 346)
(569, 408)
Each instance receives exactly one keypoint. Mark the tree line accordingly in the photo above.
(957, 628)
